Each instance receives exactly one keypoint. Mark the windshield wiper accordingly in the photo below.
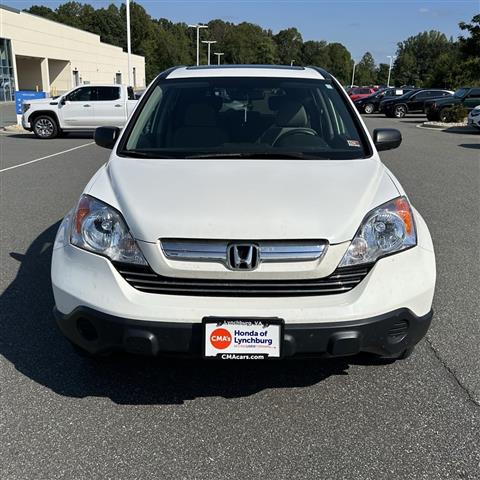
(260, 155)
(144, 154)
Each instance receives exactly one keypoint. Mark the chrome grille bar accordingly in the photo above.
(269, 251)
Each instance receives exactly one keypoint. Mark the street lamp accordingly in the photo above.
(129, 46)
(391, 57)
(353, 73)
(198, 27)
(209, 43)
(219, 55)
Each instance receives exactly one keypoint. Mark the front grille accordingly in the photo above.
(146, 280)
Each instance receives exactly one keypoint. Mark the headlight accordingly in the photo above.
(99, 228)
(475, 113)
(25, 107)
(387, 229)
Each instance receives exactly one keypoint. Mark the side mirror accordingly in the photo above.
(386, 138)
(63, 101)
(106, 136)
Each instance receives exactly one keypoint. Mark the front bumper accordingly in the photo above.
(26, 124)
(386, 334)
(398, 287)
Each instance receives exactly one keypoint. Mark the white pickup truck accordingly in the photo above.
(82, 109)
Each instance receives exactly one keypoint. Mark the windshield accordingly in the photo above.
(461, 92)
(215, 117)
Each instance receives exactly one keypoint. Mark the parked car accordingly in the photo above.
(474, 117)
(371, 103)
(81, 109)
(469, 97)
(212, 232)
(411, 102)
(361, 92)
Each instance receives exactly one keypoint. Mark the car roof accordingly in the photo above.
(283, 71)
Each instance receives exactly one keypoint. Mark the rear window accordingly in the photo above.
(230, 116)
(108, 93)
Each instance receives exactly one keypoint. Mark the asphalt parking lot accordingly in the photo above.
(62, 416)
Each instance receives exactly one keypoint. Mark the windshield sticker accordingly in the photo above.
(353, 143)
(327, 85)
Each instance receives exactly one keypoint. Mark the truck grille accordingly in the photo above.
(146, 280)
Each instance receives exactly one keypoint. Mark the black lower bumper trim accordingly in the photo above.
(387, 334)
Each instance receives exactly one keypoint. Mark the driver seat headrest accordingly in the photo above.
(291, 114)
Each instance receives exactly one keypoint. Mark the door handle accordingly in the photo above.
(87, 105)
(118, 105)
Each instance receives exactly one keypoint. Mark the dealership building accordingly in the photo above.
(42, 55)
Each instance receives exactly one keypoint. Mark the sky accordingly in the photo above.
(361, 25)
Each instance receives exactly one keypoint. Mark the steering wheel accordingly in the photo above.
(295, 131)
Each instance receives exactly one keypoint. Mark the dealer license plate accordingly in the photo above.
(242, 339)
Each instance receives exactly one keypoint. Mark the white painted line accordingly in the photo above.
(48, 156)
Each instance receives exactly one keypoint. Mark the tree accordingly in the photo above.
(289, 46)
(42, 11)
(316, 53)
(469, 47)
(381, 74)
(248, 43)
(341, 63)
(417, 57)
(365, 71)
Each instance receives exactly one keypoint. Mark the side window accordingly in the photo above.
(105, 94)
(474, 93)
(421, 96)
(83, 94)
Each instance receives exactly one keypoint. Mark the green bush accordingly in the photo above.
(455, 114)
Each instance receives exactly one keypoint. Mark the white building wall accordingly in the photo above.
(95, 61)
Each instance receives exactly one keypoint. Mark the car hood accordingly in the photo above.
(40, 101)
(244, 199)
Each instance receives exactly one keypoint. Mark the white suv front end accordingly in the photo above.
(244, 213)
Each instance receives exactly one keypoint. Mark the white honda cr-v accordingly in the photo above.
(244, 213)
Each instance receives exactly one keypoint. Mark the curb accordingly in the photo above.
(465, 129)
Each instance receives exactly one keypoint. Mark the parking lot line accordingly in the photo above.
(46, 157)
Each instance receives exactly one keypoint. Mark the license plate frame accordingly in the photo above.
(258, 324)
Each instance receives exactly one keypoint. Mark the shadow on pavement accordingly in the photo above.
(475, 146)
(31, 341)
(31, 135)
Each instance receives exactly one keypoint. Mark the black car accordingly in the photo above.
(371, 104)
(411, 102)
(469, 97)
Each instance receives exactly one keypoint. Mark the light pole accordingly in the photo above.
(292, 62)
(129, 46)
(219, 56)
(353, 73)
(198, 27)
(209, 43)
(391, 57)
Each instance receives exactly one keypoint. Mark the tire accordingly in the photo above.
(442, 115)
(45, 127)
(369, 108)
(400, 111)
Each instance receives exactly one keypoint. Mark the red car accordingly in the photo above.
(360, 92)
